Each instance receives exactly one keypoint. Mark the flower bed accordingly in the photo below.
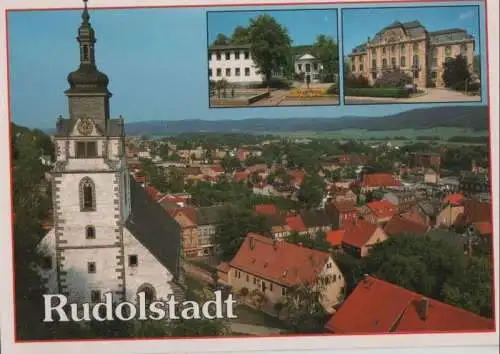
(308, 93)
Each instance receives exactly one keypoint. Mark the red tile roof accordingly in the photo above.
(335, 237)
(217, 169)
(153, 193)
(454, 199)
(475, 211)
(223, 267)
(266, 209)
(382, 208)
(483, 227)
(376, 306)
(296, 223)
(358, 232)
(188, 211)
(344, 206)
(241, 176)
(399, 225)
(379, 180)
(284, 263)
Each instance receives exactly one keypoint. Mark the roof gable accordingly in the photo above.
(358, 232)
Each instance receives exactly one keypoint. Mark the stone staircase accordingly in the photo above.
(179, 291)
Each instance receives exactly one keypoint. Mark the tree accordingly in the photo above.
(418, 264)
(241, 35)
(472, 289)
(221, 39)
(456, 73)
(302, 309)
(311, 191)
(270, 45)
(476, 64)
(234, 225)
(393, 78)
(176, 180)
(230, 164)
(325, 48)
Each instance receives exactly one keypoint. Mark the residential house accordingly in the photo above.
(449, 216)
(264, 189)
(379, 211)
(273, 267)
(379, 307)
(335, 238)
(475, 211)
(316, 221)
(360, 236)
(343, 211)
(373, 181)
(207, 219)
(186, 218)
(471, 183)
(454, 199)
(425, 160)
(424, 211)
(343, 195)
(431, 176)
(403, 199)
(399, 225)
(309, 67)
(266, 209)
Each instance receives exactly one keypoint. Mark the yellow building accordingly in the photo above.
(412, 49)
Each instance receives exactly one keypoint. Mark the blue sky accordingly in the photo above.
(433, 18)
(303, 26)
(156, 61)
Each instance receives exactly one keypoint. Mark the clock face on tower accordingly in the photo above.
(85, 126)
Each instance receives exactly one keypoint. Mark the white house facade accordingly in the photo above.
(233, 63)
(108, 236)
(310, 67)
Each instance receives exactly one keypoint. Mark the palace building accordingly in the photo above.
(107, 235)
(412, 49)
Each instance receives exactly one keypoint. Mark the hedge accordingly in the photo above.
(377, 92)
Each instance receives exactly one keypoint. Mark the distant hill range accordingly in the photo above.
(472, 117)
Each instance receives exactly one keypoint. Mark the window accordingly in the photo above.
(47, 262)
(415, 47)
(209, 72)
(299, 67)
(403, 62)
(416, 62)
(315, 66)
(308, 68)
(383, 50)
(393, 63)
(248, 278)
(334, 278)
(133, 260)
(247, 71)
(402, 46)
(85, 52)
(271, 286)
(237, 72)
(237, 55)
(283, 291)
(219, 72)
(434, 75)
(361, 67)
(247, 54)
(87, 195)
(95, 295)
(91, 268)
(217, 56)
(86, 149)
(447, 50)
(384, 63)
(374, 63)
(353, 67)
(228, 55)
(393, 49)
(228, 71)
(90, 232)
(328, 265)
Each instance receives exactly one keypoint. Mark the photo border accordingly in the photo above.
(264, 8)
(480, 43)
(264, 344)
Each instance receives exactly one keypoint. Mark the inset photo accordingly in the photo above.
(273, 58)
(412, 55)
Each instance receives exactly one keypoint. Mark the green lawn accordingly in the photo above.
(249, 315)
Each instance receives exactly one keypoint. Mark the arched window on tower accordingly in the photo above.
(85, 52)
(87, 195)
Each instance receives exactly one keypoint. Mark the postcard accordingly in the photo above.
(249, 176)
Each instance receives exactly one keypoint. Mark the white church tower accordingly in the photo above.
(108, 236)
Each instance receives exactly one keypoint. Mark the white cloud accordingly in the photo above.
(466, 15)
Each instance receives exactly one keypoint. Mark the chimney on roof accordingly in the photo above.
(423, 308)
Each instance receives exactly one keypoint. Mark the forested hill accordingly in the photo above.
(473, 117)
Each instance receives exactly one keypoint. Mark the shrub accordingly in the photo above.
(332, 90)
(353, 81)
(393, 92)
(393, 78)
(244, 291)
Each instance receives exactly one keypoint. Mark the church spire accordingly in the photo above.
(86, 38)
